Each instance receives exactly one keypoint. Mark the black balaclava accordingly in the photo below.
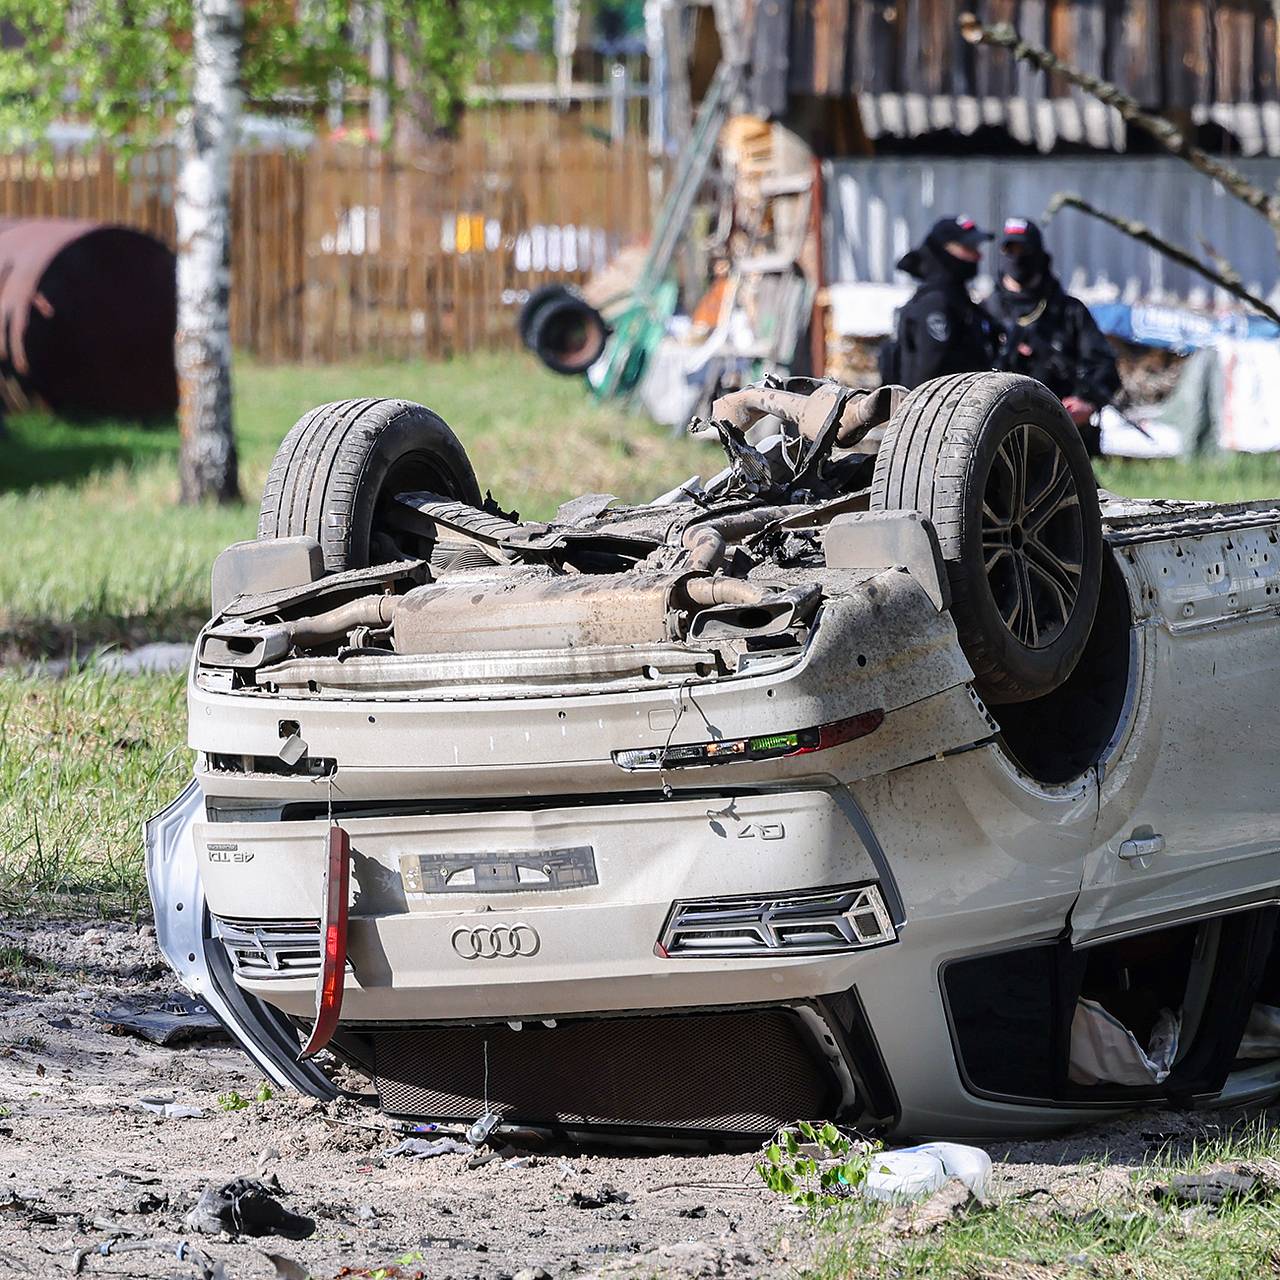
(957, 268)
(1030, 263)
(931, 260)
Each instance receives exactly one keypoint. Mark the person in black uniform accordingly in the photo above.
(1044, 332)
(940, 329)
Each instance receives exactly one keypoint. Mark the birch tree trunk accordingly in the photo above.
(202, 202)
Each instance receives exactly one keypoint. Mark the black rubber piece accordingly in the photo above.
(567, 334)
(341, 463)
(935, 458)
(534, 303)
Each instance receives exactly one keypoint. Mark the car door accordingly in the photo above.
(1189, 790)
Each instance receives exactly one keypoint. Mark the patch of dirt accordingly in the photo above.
(81, 1163)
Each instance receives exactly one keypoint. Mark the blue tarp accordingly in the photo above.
(1177, 328)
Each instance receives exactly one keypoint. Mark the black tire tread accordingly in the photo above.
(315, 477)
(923, 464)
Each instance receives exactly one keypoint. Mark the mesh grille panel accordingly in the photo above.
(743, 1072)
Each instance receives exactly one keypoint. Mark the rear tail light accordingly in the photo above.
(807, 923)
(766, 746)
(333, 960)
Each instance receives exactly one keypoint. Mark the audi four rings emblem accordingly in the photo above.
(505, 941)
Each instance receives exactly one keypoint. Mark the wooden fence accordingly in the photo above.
(344, 250)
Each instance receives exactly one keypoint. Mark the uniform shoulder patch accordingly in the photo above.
(938, 326)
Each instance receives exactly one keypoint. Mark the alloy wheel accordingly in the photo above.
(1032, 536)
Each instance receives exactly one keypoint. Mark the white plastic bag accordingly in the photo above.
(912, 1172)
(904, 1175)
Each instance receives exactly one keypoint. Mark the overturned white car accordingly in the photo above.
(892, 783)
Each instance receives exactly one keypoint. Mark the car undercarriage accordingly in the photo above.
(884, 776)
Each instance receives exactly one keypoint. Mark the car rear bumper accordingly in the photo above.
(540, 913)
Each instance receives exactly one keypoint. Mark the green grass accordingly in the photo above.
(82, 762)
(1126, 1235)
(98, 552)
(1225, 478)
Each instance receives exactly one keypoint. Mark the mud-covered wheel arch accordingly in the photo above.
(998, 466)
(343, 462)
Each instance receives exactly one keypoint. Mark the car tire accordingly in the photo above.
(993, 460)
(342, 463)
(568, 334)
(534, 303)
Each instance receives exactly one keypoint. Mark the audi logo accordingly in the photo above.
(504, 940)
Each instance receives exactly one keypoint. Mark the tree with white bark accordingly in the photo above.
(144, 71)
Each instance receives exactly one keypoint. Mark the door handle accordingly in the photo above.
(1139, 850)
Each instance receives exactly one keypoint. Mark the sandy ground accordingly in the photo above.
(81, 1163)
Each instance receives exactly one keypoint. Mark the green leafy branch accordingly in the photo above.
(816, 1166)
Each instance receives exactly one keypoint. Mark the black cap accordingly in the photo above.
(959, 230)
(1024, 232)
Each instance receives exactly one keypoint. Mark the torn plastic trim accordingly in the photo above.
(186, 941)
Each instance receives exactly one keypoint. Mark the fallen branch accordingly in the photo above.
(1003, 36)
(1230, 281)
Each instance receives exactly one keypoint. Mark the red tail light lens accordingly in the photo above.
(333, 965)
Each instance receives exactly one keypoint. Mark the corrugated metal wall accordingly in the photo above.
(1166, 53)
(876, 209)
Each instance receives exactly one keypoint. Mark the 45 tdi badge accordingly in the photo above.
(228, 852)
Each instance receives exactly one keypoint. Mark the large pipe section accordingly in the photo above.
(88, 313)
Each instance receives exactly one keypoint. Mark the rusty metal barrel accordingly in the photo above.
(87, 318)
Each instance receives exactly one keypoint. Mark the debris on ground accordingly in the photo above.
(168, 1107)
(178, 1020)
(479, 1132)
(246, 1207)
(597, 1200)
(204, 1266)
(425, 1148)
(948, 1202)
(116, 1162)
(1214, 1188)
